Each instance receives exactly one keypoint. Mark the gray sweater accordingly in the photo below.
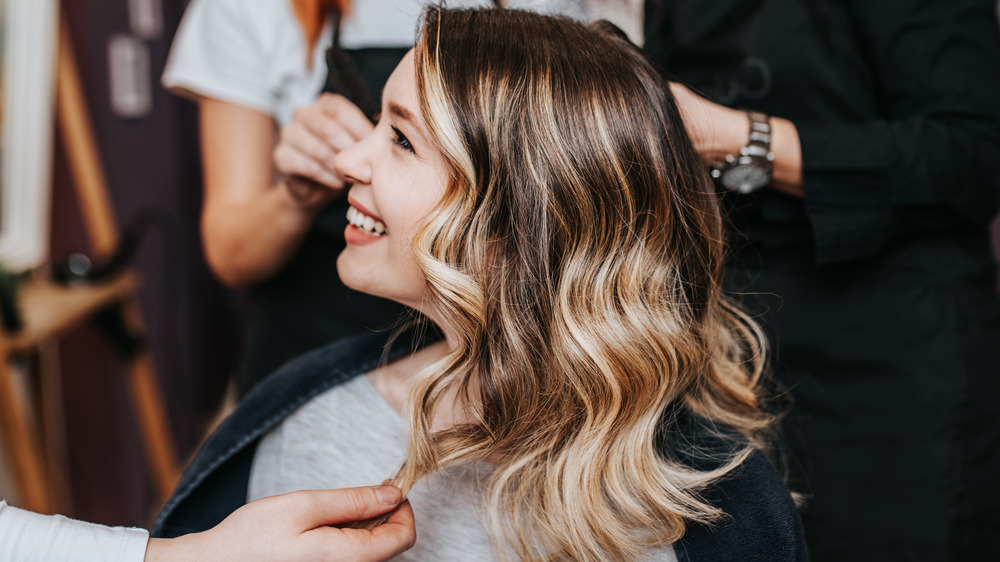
(350, 436)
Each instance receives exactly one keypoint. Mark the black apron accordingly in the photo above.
(305, 305)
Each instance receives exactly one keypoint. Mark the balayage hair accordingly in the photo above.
(576, 258)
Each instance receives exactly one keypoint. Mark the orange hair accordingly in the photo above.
(312, 15)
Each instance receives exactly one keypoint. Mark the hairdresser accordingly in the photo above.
(296, 526)
(856, 144)
(253, 66)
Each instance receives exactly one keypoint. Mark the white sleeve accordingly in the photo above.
(30, 537)
(220, 51)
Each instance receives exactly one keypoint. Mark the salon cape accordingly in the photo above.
(761, 522)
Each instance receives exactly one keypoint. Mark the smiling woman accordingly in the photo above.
(398, 176)
(531, 191)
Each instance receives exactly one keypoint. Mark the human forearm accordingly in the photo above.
(787, 174)
(247, 242)
(719, 131)
(300, 526)
(251, 227)
(29, 536)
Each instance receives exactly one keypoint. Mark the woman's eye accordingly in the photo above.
(402, 141)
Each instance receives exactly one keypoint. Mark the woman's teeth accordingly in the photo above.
(364, 222)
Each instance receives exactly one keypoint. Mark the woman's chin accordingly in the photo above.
(360, 271)
(348, 273)
(363, 278)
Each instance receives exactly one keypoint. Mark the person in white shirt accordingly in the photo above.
(295, 526)
(252, 65)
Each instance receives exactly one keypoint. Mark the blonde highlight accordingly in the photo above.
(577, 256)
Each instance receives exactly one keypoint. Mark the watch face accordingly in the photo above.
(745, 178)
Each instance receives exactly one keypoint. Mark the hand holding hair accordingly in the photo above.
(309, 143)
(717, 131)
(299, 526)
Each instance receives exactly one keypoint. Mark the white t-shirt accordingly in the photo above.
(30, 537)
(252, 52)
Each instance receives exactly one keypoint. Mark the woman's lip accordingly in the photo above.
(354, 236)
(352, 202)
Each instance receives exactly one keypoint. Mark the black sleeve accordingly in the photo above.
(930, 163)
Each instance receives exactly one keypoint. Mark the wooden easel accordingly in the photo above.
(50, 311)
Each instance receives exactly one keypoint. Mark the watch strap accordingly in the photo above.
(759, 140)
(733, 173)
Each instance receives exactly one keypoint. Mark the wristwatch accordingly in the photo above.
(749, 170)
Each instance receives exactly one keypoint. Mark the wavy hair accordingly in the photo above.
(577, 258)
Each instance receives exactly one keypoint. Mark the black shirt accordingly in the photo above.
(897, 105)
(877, 291)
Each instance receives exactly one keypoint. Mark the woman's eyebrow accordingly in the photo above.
(401, 112)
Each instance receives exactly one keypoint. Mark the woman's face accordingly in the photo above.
(398, 177)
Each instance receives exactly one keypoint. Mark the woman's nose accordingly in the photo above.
(353, 164)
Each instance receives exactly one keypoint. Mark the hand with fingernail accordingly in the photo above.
(304, 525)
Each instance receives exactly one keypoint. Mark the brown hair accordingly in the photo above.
(311, 15)
(577, 254)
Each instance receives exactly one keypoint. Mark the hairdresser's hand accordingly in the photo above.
(309, 143)
(294, 527)
(717, 131)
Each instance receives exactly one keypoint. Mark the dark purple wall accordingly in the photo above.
(152, 169)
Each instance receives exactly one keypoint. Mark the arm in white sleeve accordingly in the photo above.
(223, 49)
(30, 537)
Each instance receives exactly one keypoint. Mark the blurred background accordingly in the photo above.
(76, 385)
(146, 142)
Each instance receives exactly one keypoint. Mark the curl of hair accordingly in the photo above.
(577, 255)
